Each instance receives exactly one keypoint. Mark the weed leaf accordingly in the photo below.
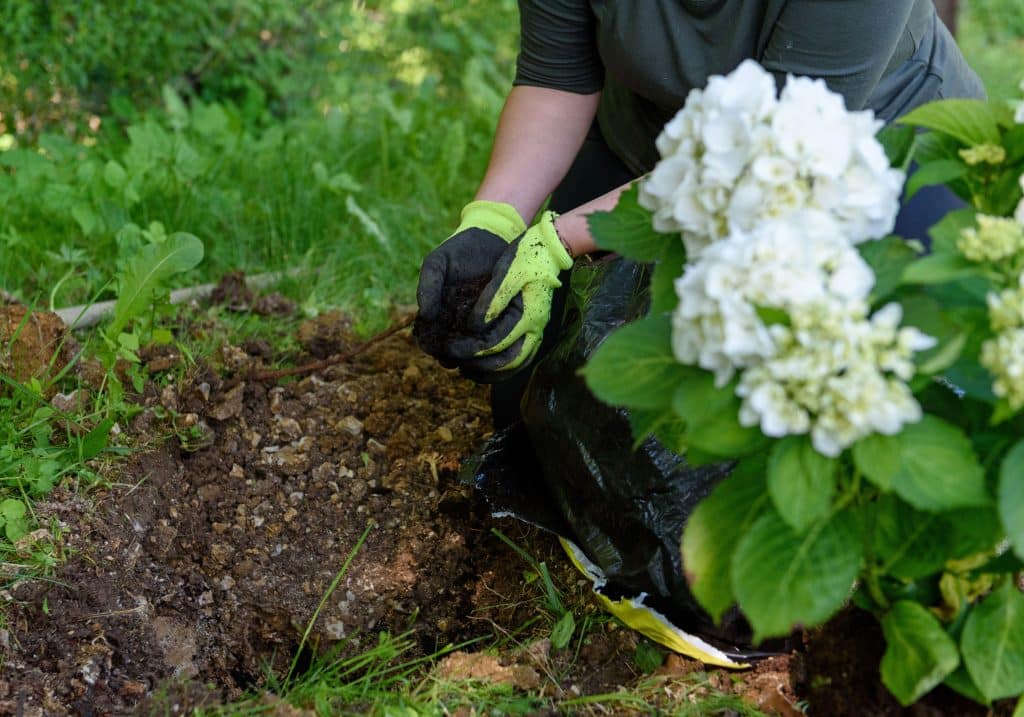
(561, 633)
(146, 272)
(13, 518)
(96, 439)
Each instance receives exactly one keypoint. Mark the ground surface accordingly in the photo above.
(202, 567)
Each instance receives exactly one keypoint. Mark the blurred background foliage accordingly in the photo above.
(62, 60)
(336, 136)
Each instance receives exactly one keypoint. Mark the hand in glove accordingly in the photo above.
(467, 256)
(508, 319)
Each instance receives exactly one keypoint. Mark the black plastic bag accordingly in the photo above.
(571, 466)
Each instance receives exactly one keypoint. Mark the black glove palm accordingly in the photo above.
(451, 278)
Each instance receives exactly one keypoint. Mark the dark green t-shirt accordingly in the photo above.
(646, 55)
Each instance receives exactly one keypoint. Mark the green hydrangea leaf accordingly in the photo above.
(946, 232)
(973, 531)
(782, 579)
(628, 229)
(634, 366)
(664, 425)
(712, 417)
(888, 258)
(968, 121)
(1013, 143)
(919, 654)
(960, 681)
(938, 468)
(715, 528)
(993, 643)
(668, 267)
(938, 269)
(908, 543)
(1011, 496)
(878, 458)
(801, 482)
(932, 173)
(898, 143)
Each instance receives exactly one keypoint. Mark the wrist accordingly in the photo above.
(560, 250)
(565, 243)
(496, 217)
(574, 234)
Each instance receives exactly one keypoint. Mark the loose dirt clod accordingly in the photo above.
(32, 344)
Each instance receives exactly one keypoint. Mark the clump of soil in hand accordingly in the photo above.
(453, 320)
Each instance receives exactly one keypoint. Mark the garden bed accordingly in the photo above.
(197, 572)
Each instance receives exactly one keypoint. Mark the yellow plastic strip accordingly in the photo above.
(650, 623)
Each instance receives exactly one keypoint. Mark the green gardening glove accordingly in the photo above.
(466, 259)
(508, 319)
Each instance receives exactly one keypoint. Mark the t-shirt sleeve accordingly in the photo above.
(847, 43)
(558, 46)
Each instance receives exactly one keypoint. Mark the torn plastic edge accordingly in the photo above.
(635, 615)
(645, 620)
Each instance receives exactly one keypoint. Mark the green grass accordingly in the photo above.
(356, 185)
(350, 186)
(384, 680)
(40, 446)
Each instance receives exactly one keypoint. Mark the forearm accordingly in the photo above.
(572, 227)
(539, 133)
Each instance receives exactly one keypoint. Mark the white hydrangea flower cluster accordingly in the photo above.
(826, 369)
(993, 240)
(771, 196)
(788, 266)
(736, 155)
(1003, 355)
(836, 374)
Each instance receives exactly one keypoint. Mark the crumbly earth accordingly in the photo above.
(202, 566)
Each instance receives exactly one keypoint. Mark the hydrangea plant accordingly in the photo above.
(868, 389)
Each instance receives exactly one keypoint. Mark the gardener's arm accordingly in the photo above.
(559, 76)
(539, 134)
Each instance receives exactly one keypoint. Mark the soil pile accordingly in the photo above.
(208, 563)
(201, 568)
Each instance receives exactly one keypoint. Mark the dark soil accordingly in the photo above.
(201, 568)
(453, 319)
